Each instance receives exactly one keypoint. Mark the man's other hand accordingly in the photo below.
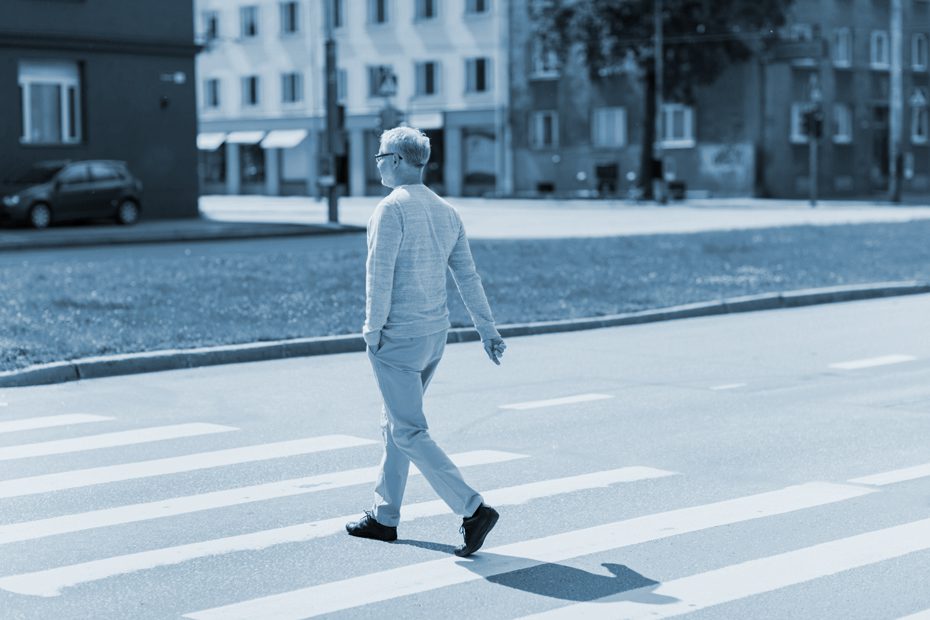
(495, 348)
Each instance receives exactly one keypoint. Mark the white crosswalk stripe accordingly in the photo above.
(50, 421)
(920, 615)
(111, 440)
(413, 579)
(50, 582)
(32, 485)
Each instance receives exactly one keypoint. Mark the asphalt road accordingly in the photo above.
(724, 467)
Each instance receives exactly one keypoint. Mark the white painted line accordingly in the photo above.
(568, 400)
(4, 404)
(871, 362)
(739, 581)
(920, 615)
(33, 485)
(895, 476)
(427, 576)
(111, 440)
(728, 386)
(51, 582)
(28, 424)
(134, 513)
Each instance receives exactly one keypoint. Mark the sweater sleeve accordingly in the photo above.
(385, 232)
(466, 277)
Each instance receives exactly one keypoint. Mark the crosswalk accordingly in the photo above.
(683, 594)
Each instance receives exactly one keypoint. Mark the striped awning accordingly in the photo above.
(210, 141)
(284, 138)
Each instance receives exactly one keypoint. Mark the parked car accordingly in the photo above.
(53, 192)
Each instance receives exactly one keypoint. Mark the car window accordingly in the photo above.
(74, 174)
(104, 172)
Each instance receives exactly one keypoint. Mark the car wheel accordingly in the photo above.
(128, 213)
(40, 216)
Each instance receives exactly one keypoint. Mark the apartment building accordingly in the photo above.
(107, 79)
(441, 65)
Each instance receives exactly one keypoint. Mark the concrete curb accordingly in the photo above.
(115, 365)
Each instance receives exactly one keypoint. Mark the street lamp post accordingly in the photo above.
(328, 180)
(813, 135)
(658, 184)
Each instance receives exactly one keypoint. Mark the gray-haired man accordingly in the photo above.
(414, 236)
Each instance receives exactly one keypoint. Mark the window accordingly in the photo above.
(801, 32)
(477, 75)
(342, 85)
(248, 22)
(842, 47)
(50, 92)
(919, 52)
(677, 125)
(544, 129)
(797, 122)
(381, 81)
(426, 9)
(919, 116)
(104, 172)
(475, 7)
(250, 91)
(545, 60)
(211, 26)
(290, 17)
(338, 14)
(842, 123)
(608, 128)
(211, 90)
(292, 87)
(427, 80)
(377, 11)
(75, 175)
(880, 57)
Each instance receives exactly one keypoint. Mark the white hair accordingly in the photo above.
(411, 144)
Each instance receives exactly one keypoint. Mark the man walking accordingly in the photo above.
(413, 237)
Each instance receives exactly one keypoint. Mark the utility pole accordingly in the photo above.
(328, 174)
(896, 107)
(658, 184)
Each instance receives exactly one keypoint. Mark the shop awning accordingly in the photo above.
(245, 137)
(284, 138)
(210, 141)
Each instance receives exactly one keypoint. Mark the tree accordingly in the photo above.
(701, 38)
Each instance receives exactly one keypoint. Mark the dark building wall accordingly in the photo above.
(131, 109)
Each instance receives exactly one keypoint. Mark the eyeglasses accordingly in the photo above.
(381, 156)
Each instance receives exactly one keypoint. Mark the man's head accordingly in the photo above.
(402, 157)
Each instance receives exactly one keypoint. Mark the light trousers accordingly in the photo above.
(403, 368)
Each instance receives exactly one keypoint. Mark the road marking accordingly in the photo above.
(728, 386)
(28, 424)
(568, 400)
(871, 362)
(739, 581)
(33, 485)
(894, 476)
(920, 615)
(52, 581)
(133, 513)
(427, 576)
(111, 440)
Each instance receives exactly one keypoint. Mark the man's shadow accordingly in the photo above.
(556, 580)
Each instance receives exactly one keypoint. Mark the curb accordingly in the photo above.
(176, 359)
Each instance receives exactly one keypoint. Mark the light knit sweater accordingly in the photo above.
(413, 237)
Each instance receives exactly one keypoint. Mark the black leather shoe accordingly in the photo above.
(368, 527)
(476, 528)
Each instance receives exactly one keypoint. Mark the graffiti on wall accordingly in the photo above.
(733, 162)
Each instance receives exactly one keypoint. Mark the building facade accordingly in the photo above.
(107, 79)
(742, 135)
(442, 65)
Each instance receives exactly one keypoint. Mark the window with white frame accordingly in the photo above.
(544, 129)
(342, 85)
(50, 93)
(477, 75)
(211, 25)
(427, 78)
(797, 122)
(250, 91)
(545, 60)
(211, 94)
(842, 123)
(919, 120)
(879, 53)
(608, 127)
(382, 82)
(290, 17)
(677, 125)
(248, 22)
(477, 7)
(842, 47)
(426, 9)
(919, 52)
(378, 11)
(292, 87)
(338, 13)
